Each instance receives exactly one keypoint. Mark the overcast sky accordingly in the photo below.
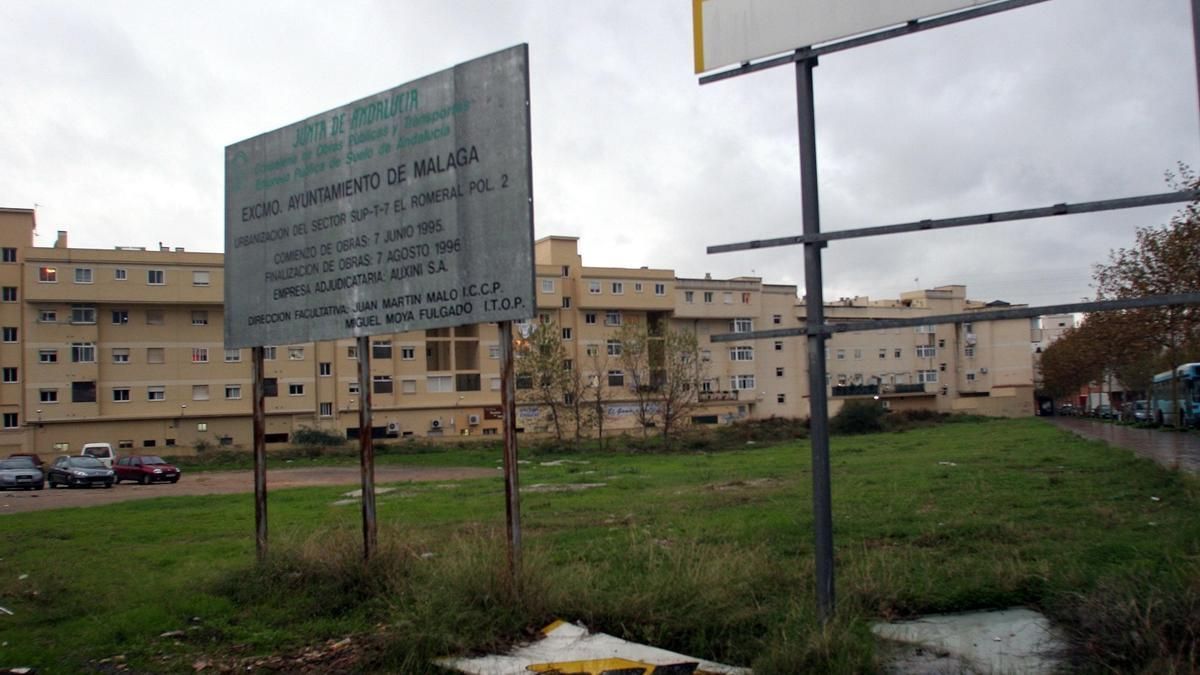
(115, 116)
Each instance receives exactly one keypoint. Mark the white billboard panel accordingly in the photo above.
(405, 210)
(736, 31)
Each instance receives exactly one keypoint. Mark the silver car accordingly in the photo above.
(20, 472)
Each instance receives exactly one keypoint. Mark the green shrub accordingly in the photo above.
(858, 417)
(308, 436)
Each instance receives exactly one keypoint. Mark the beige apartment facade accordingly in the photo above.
(125, 346)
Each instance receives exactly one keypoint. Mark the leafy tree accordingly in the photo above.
(1164, 260)
(541, 362)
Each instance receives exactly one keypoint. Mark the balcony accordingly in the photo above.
(706, 396)
(855, 390)
(918, 388)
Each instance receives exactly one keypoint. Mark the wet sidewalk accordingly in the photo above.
(1171, 449)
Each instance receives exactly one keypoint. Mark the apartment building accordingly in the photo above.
(125, 345)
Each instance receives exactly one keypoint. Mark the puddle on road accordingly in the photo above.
(1016, 640)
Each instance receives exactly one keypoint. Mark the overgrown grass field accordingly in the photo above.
(706, 553)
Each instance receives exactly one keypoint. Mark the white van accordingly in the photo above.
(101, 451)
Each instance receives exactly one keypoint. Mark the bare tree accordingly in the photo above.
(541, 362)
(665, 371)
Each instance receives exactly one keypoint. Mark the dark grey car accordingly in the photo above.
(85, 471)
(20, 472)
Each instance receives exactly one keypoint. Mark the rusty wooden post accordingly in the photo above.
(512, 492)
(366, 448)
(259, 426)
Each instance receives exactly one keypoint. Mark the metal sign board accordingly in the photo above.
(406, 210)
(736, 31)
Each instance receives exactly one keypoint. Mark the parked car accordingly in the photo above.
(1103, 411)
(33, 457)
(145, 469)
(20, 472)
(85, 471)
(1067, 410)
(101, 451)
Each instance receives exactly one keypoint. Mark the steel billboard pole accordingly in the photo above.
(512, 494)
(366, 448)
(814, 306)
(258, 431)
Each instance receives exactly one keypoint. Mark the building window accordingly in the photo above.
(566, 302)
(779, 345)
(781, 398)
(9, 374)
(776, 319)
(708, 297)
(927, 376)
(618, 288)
(381, 349)
(269, 353)
(566, 270)
(10, 294)
(48, 275)
(637, 287)
(156, 355)
(841, 355)
(547, 285)
(326, 409)
(741, 353)
(83, 352)
(120, 394)
(594, 287)
(857, 354)
(589, 318)
(926, 329)
(613, 347)
(740, 382)
(155, 317)
(83, 275)
(201, 277)
(779, 372)
(439, 384)
(47, 316)
(155, 277)
(926, 351)
(120, 274)
(325, 369)
(566, 333)
(408, 386)
(352, 352)
(10, 334)
(48, 396)
(741, 325)
(727, 297)
(970, 376)
(156, 393)
(83, 392)
(83, 314)
(493, 352)
(11, 421)
(295, 353)
(10, 254)
(969, 351)
(199, 392)
(120, 355)
(408, 353)
(882, 353)
(382, 384)
(941, 343)
(612, 318)
(233, 355)
(898, 352)
(200, 317)
(295, 389)
(689, 297)
(270, 387)
(616, 378)
(120, 317)
(745, 298)
(199, 354)
(353, 388)
(660, 289)
(47, 356)
(233, 392)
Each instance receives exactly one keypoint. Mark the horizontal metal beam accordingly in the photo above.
(980, 219)
(909, 28)
(964, 317)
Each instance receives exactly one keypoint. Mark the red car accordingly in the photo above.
(145, 469)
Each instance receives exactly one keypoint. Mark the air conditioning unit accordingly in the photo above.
(473, 419)
(393, 427)
(983, 371)
(435, 424)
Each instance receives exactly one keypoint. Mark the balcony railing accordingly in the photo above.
(856, 390)
(718, 396)
(918, 388)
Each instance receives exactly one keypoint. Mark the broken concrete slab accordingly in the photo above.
(1016, 640)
